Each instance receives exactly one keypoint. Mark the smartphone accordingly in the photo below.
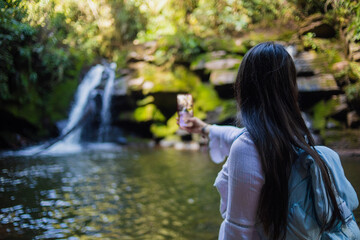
(184, 108)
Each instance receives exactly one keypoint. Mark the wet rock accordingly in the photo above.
(199, 62)
(222, 64)
(307, 63)
(341, 73)
(137, 65)
(124, 71)
(303, 68)
(167, 143)
(223, 81)
(317, 25)
(222, 77)
(340, 112)
(135, 83)
(354, 52)
(187, 146)
(142, 52)
(354, 73)
(353, 119)
(318, 83)
(150, 47)
(341, 109)
(340, 66)
(315, 88)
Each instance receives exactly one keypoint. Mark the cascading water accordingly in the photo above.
(106, 101)
(83, 107)
(90, 82)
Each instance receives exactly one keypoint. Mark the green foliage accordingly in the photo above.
(206, 99)
(145, 101)
(229, 110)
(161, 130)
(177, 48)
(347, 14)
(309, 42)
(321, 111)
(354, 71)
(15, 50)
(148, 113)
(31, 112)
(177, 80)
(309, 7)
(352, 92)
(44, 45)
(59, 100)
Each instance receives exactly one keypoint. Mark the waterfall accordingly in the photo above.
(84, 112)
(91, 80)
(106, 101)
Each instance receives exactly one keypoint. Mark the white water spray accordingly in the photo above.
(106, 102)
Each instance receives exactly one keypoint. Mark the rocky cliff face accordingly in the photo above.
(144, 96)
(324, 74)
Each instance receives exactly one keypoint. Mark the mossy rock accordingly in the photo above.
(178, 79)
(322, 112)
(352, 92)
(60, 99)
(30, 110)
(354, 72)
(199, 61)
(227, 44)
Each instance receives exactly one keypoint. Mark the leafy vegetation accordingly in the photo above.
(45, 45)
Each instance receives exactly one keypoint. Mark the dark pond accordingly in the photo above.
(124, 194)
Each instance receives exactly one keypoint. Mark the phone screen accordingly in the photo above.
(184, 108)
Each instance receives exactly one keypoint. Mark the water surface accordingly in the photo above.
(128, 194)
(125, 194)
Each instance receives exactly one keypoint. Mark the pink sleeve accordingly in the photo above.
(245, 180)
(221, 139)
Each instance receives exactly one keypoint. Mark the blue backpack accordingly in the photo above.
(307, 211)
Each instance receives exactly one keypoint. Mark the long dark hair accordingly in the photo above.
(267, 94)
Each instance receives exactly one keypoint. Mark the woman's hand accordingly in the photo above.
(195, 125)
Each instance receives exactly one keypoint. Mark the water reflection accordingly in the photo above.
(133, 194)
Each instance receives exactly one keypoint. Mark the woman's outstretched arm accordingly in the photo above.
(221, 137)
